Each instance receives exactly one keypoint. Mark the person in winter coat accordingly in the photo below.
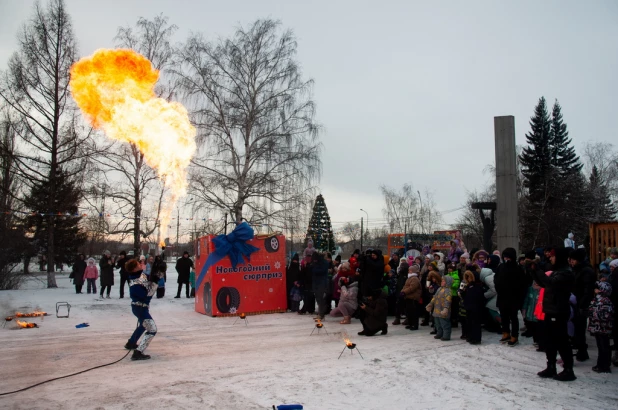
(348, 301)
(438, 257)
(440, 308)
(107, 273)
(394, 261)
(292, 274)
(124, 275)
(511, 289)
(374, 314)
(353, 261)
(296, 295)
(402, 276)
(464, 260)
(480, 257)
(159, 268)
(454, 253)
(319, 281)
(473, 301)
(309, 250)
(453, 273)
(583, 289)
(601, 313)
(91, 274)
(372, 272)
(183, 267)
(425, 295)
(556, 308)
(411, 292)
(141, 290)
(77, 272)
(192, 282)
(306, 281)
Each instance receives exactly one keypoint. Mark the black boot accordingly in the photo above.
(137, 355)
(550, 371)
(582, 355)
(385, 329)
(177, 297)
(130, 345)
(566, 375)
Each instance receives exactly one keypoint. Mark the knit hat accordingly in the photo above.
(414, 269)
(496, 252)
(465, 255)
(613, 264)
(530, 255)
(295, 257)
(434, 264)
(605, 288)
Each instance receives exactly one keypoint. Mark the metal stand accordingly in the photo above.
(63, 304)
(241, 318)
(351, 352)
(319, 328)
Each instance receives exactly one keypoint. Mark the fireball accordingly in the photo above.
(115, 91)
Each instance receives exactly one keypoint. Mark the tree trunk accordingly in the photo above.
(27, 265)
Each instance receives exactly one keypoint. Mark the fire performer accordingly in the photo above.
(141, 290)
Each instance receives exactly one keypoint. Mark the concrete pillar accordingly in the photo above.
(506, 183)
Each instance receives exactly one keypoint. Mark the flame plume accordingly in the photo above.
(115, 91)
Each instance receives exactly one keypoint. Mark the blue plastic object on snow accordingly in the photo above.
(290, 407)
(82, 325)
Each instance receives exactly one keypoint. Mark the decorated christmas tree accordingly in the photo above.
(320, 230)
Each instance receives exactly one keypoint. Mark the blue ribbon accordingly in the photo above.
(233, 245)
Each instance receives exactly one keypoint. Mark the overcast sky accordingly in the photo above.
(406, 90)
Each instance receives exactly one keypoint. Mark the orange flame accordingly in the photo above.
(25, 324)
(115, 90)
(36, 313)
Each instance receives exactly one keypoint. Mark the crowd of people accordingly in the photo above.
(559, 296)
(87, 271)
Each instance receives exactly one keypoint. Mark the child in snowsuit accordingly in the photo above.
(601, 314)
(440, 308)
(91, 274)
(452, 272)
(433, 284)
(296, 295)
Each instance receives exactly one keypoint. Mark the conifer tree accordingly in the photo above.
(67, 235)
(320, 229)
(555, 189)
(601, 206)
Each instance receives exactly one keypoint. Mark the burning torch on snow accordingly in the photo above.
(115, 91)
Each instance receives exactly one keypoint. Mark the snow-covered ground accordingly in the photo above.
(200, 362)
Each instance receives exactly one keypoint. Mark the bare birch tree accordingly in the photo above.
(408, 208)
(256, 123)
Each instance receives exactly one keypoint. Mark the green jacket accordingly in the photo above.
(456, 281)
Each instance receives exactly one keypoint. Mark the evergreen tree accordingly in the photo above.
(320, 229)
(563, 154)
(601, 207)
(555, 189)
(67, 235)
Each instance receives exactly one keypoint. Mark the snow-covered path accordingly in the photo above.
(212, 363)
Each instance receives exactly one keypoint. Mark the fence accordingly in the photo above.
(603, 237)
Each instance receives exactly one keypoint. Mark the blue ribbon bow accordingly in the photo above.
(233, 245)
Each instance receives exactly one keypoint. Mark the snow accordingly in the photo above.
(219, 363)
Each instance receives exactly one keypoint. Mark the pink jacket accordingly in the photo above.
(91, 272)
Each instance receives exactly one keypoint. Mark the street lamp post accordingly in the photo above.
(367, 219)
